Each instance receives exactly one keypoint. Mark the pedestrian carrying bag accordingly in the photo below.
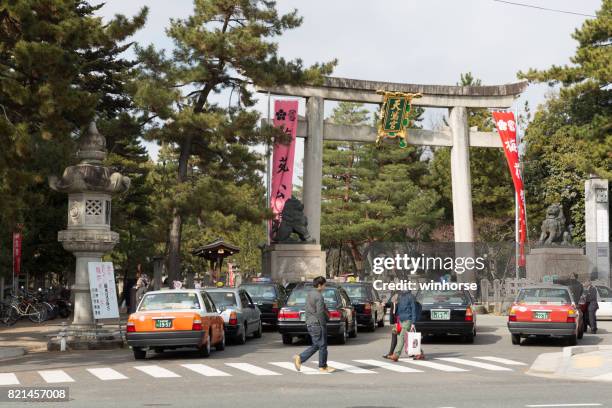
(413, 343)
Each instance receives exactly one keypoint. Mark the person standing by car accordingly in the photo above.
(590, 294)
(392, 322)
(316, 323)
(406, 313)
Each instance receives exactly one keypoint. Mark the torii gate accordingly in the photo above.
(458, 136)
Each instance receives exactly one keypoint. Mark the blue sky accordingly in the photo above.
(433, 41)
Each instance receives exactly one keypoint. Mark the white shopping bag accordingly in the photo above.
(413, 343)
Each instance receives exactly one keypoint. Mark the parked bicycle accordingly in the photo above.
(24, 305)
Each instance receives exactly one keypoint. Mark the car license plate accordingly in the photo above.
(302, 316)
(163, 324)
(540, 315)
(440, 314)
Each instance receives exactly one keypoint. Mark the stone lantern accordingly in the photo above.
(90, 186)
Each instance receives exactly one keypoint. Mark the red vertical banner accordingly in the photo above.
(285, 118)
(506, 127)
(17, 240)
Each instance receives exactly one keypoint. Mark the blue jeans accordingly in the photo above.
(318, 335)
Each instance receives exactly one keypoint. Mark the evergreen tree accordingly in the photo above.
(60, 65)
(570, 136)
(374, 193)
(223, 45)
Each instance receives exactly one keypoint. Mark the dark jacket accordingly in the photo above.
(406, 307)
(316, 311)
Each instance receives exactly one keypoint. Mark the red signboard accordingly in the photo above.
(506, 127)
(16, 253)
(286, 118)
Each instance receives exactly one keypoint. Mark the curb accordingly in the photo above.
(11, 352)
(555, 365)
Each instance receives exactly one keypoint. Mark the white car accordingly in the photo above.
(604, 300)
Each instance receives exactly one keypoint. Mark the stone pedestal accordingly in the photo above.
(293, 262)
(557, 263)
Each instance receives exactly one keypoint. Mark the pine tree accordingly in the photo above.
(373, 194)
(223, 46)
(570, 136)
(60, 66)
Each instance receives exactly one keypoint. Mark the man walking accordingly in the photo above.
(590, 297)
(407, 314)
(316, 323)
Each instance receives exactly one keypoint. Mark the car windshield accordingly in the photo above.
(454, 297)
(604, 292)
(169, 301)
(260, 292)
(223, 298)
(536, 296)
(356, 291)
(298, 296)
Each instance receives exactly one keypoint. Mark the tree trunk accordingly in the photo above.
(176, 226)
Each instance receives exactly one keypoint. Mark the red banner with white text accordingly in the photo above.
(16, 253)
(285, 118)
(506, 127)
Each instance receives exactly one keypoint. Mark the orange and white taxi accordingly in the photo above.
(545, 310)
(170, 319)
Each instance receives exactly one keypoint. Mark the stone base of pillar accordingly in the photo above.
(557, 263)
(293, 262)
(86, 337)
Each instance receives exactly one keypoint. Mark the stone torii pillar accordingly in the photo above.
(313, 166)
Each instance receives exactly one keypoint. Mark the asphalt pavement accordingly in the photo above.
(489, 373)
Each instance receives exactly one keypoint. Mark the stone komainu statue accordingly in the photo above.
(293, 220)
(553, 227)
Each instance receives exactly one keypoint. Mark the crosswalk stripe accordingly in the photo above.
(157, 371)
(8, 379)
(434, 365)
(107, 374)
(348, 368)
(206, 370)
(55, 376)
(388, 366)
(252, 369)
(478, 364)
(501, 360)
(291, 367)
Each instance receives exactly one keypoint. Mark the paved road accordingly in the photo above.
(488, 374)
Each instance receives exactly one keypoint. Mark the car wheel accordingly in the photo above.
(381, 322)
(469, 338)
(287, 339)
(343, 336)
(372, 324)
(580, 333)
(139, 354)
(352, 334)
(242, 337)
(516, 339)
(204, 350)
(572, 340)
(259, 331)
(221, 345)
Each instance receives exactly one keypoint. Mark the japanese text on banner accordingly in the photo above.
(285, 118)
